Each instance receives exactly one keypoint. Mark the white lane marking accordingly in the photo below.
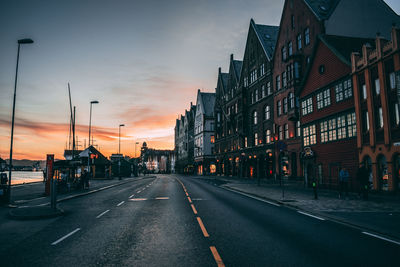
(64, 237)
(381, 237)
(138, 191)
(158, 198)
(253, 197)
(197, 199)
(119, 204)
(132, 196)
(310, 215)
(101, 214)
(138, 199)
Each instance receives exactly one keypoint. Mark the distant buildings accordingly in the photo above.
(300, 105)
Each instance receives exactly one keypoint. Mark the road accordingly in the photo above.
(182, 221)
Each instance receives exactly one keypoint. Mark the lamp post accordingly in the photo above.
(136, 143)
(21, 41)
(119, 149)
(90, 117)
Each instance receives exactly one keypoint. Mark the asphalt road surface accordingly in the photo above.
(182, 221)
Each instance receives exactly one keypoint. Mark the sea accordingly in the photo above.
(24, 177)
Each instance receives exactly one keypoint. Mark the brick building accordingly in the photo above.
(376, 79)
(327, 112)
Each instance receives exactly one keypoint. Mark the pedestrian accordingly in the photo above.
(363, 181)
(314, 186)
(343, 181)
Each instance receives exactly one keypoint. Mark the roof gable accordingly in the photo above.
(322, 9)
(267, 35)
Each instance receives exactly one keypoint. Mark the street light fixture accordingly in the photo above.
(90, 117)
(21, 41)
(119, 150)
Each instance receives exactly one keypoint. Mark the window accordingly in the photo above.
(267, 112)
(343, 90)
(297, 70)
(396, 114)
(392, 79)
(263, 91)
(351, 125)
(255, 139)
(323, 99)
(279, 107)
(280, 132)
(324, 131)
(298, 129)
(380, 118)
(339, 92)
(211, 126)
(253, 76)
(366, 121)
(284, 80)
(268, 136)
(307, 106)
(262, 70)
(212, 139)
(309, 135)
(377, 87)
(291, 100)
(269, 90)
(278, 82)
(341, 127)
(245, 82)
(285, 105)
(299, 42)
(218, 117)
(284, 54)
(332, 129)
(364, 92)
(290, 45)
(236, 107)
(286, 131)
(255, 117)
(307, 36)
(256, 95)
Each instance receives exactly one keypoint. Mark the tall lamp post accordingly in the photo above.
(21, 41)
(119, 149)
(90, 117)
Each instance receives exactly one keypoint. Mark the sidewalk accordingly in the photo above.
(28, 201)
(380, 213)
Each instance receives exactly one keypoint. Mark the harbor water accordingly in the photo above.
(23, 177)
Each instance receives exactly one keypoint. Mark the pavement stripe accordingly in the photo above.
(119, 204)
(193, 208)
(138, 199)
(190, 201)
(203, 229)
(217, 257)
(138, 191)
(161, 198)
(253, 197)
(64, 237)
(310, 215)
(101, 214)
(132, 196)
(381, 237)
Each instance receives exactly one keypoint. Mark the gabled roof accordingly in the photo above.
(208, 101)
(223, 79)
(267, 35)
(342, 46)
(322, 9)
(237, 67)
(101, 158)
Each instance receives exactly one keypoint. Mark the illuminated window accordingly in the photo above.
(255, 139)
(268, 136)
(255, 117)
(286, 131)
(212, 139)
(309, 135)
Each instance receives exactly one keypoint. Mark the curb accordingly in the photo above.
(312, 212)
(34, 213)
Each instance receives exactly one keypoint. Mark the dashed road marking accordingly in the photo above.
(193, 208)
(190, 201)
(64, 237)
(138, 199)
(138, 191)
(217, 257)
(101, 214)
(131, 196)
(119, 204)
(382, 238)
(203, 228)
(161, 198)
(310, 215)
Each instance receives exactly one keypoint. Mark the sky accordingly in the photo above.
(142, 60)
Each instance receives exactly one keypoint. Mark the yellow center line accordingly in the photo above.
(190, 200)
(217, 258)
(193, 208)
(203, 229)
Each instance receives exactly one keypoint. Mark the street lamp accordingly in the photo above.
(119, 150)
(90, 117)
(21, 41)
(135, 148)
